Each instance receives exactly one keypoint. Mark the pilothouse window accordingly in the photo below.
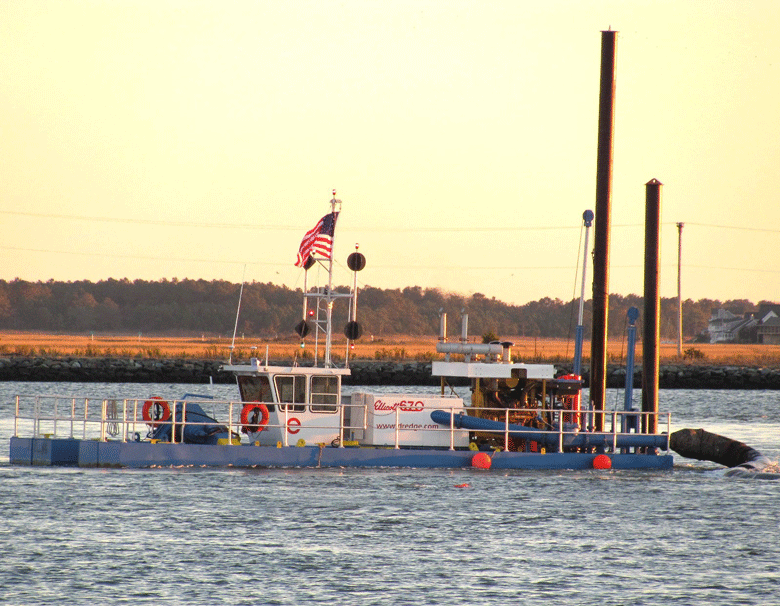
(324, 394)
(291, 389)
(255, 389)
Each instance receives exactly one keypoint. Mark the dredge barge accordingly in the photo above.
(518, 416)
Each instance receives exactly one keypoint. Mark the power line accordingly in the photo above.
(355, 228)
(506, 268)
(149, 221)
(735, 227)
(349, 229)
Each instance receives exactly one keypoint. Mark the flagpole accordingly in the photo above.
(329, 295)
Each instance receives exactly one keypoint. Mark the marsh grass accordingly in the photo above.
(391, 348)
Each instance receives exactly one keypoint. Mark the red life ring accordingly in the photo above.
(254, 424)
(159, 405)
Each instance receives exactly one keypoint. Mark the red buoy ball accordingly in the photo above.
(602, 461)
(481, 460)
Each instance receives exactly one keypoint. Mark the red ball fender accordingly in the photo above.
(158, 404)
(255, 424)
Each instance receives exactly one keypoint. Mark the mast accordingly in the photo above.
(329, 294)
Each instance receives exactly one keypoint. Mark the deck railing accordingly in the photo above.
(122, 419)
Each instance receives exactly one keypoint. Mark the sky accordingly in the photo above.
(191, 139)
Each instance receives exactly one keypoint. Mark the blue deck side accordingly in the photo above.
(20, 452)
(45, 452)
(90, 453)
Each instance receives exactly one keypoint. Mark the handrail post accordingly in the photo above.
(86, 413)
(341, 421)
(16, 419)
(124, 420)
(173, 423)
(54, 430)
(506, 431)
(184, 420)
(72, 416)
(103, 407)
(560, 430)
(286, 421)
(452, 429)
(36, 417)
(614, 431)
(397, 420)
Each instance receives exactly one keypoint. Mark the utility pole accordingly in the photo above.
(679, 289)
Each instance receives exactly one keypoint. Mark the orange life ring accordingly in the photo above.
(254, 424)
(156, 401)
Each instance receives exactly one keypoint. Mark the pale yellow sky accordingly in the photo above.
(161, 139)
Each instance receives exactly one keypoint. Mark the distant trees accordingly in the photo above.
(200, 306)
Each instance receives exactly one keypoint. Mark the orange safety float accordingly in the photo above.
(481, 460)
(162, 412)
(259, 418)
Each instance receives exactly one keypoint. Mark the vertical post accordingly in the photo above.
(633, 315)
(124, 421)
(679, 290)
(329, 298)
(587, 219)
(598, 358)
(103, 410)
(397, 427)
(652, 316)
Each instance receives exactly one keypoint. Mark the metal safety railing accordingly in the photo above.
(556, 431)
(125, 420)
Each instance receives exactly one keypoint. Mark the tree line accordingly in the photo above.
(271, 311)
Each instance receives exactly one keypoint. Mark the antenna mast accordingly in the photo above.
(335, 206)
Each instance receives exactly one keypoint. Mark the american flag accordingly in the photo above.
(318, 240)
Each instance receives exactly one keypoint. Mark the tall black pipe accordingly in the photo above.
(598, 356)
(652, 316)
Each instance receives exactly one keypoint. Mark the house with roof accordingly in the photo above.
(768, 331)
(762, 326)
(727, 327)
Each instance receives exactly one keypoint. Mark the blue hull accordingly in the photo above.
(91, 453)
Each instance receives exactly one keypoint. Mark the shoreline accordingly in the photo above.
(364, 372)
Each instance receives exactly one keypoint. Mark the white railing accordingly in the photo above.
(614, 420)
(122, 420)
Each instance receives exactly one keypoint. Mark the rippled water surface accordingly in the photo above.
(199, 536)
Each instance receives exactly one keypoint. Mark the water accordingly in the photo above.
(184, 536)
